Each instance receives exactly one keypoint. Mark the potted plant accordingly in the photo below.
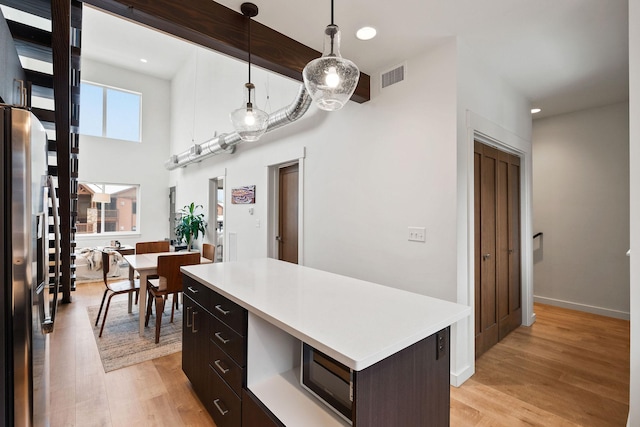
(190, 224)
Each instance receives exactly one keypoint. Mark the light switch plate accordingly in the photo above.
(417, 234)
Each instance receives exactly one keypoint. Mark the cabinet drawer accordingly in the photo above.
(226, 368)
(197, 291)
(228, 340)
(229, 312)
(223, 404)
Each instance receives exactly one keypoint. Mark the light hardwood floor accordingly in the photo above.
(569, 369)
(153, 393)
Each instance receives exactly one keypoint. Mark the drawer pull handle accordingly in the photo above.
(188, 317)
(193, 321)
(193, 291)
(222, 310)
(219, 366)
(222, 411)
(221, 338)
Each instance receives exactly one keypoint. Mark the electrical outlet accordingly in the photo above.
(417, 234)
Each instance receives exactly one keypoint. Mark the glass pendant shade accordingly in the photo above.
(331, 79)
(250, 122)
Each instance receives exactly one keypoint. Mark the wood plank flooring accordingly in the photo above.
(153, 393)
(569, 369)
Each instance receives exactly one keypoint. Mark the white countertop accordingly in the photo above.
(356, 322)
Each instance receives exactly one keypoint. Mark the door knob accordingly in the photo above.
(486, 257)
(279, 239)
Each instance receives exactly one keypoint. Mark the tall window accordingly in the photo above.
(107, 208)
(109, 112)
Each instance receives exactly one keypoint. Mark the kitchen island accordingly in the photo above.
(244, 324)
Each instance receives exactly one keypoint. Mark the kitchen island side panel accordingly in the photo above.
(409, 388)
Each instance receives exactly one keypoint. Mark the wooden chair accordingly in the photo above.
(116, 288)
(209, 252)
(152, 247)
(168, 281)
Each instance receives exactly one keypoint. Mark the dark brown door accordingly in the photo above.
(497, 245)
(288, 214)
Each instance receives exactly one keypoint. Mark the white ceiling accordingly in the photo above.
(564, 55)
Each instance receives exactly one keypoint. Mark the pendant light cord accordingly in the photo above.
(332, 25)
(332, 12)
(195, 84)
(249, 49)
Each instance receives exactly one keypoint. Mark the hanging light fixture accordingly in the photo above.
(331, 79)
(250, 122)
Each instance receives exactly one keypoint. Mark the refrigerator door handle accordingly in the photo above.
(51, 297)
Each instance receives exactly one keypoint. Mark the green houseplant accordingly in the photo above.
(190, 224)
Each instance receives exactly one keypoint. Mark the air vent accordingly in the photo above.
(393, 76)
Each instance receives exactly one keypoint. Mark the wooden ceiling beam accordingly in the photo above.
(217, 27)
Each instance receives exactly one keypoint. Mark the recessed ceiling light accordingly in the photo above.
(535, 110)
(143, 60)
(366, 33)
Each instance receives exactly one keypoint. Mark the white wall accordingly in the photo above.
(634, 142)
(115, 161)
(581, 204)
(370, 170)
(219, 89)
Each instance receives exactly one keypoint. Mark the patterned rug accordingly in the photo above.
(121, 345)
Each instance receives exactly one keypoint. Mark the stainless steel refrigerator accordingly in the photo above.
(30, 268)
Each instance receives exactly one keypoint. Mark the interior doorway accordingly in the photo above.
(217, 216)
(287, 236)
(172, 214)
(498, 286)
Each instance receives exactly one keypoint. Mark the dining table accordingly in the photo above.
(147, 265)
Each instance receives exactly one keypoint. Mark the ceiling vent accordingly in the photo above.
(393, 76)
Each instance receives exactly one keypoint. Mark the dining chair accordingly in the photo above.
(168, 281)
(116, 288)
(209, 252)
(152, 247)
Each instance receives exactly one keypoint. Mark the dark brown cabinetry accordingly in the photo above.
(408, 388)
(227, 361)
(254, 412)
(214, 351)
(194, 343)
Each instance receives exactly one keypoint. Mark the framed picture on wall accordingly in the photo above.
(243, 195)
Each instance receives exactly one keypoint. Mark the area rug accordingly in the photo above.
(121, 345)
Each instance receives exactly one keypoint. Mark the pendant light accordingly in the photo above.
(331, 79)
(249, 121)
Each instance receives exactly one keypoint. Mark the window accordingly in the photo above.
(107, 208)
(109, 112)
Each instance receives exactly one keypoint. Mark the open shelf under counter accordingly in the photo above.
(273, 376)
(293, 405)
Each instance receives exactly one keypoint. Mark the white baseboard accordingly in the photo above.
(457, 379)
(583, 307)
